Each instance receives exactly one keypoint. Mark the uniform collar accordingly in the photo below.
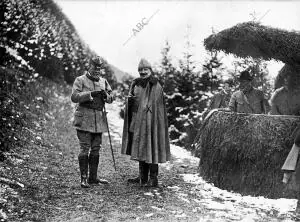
(249, 91)
(144, 81)
(93, 78)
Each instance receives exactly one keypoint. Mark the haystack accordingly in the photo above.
(244, 153)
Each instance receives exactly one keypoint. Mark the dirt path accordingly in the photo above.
(182, 195)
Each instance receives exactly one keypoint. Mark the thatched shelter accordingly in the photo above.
(244, 153)
(250, 39)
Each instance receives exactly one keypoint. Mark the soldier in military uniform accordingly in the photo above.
(221, 99)
(285, 100)
(90, 92)
(247, 99)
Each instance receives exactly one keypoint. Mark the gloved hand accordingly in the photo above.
(103, 94)
(96, 93)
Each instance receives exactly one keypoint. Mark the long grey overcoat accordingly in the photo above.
(145, 130)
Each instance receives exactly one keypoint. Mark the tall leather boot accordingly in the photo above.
(83, 166)
(137, 179)
(144, 174)
(93, 166)
(153, 181)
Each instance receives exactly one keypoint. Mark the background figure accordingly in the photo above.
(145, 132)
(291, 166)
(286, 100)
(90, 92)
(247, 99)
(221, 99)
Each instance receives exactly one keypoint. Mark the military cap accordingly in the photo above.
(98, 61)
(144, 64)
(245, 75)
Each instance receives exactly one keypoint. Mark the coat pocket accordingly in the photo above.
(132, 124)
(78, 119)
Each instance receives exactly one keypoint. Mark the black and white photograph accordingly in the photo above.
(174, 110)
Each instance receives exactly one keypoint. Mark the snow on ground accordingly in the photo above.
(231, 201)
(207, 194)
(115, 122)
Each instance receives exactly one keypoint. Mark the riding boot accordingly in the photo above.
(83, 166)
(153, 181)
(137, 179)
(93, 166)
(144, 174)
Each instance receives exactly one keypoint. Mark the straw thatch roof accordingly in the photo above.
(250, 39)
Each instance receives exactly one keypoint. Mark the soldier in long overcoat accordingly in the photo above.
(90, 92)
(285, 101)
(145, 131)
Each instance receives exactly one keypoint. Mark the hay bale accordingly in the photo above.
(258, 41)
(245, 152)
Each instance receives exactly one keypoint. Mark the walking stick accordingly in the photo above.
(112, 152)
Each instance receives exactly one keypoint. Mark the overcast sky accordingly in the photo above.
(108, 26)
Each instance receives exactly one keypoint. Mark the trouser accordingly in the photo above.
(90, 144)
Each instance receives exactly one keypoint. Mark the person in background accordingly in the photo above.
(286, 99)
(221, 99)
(145, 131)
(291, 167)
(90, 92)
(247, 99)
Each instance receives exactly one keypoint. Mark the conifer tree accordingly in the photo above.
(168, 76)
(167, 70)
(187, 105)
(212, 76)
